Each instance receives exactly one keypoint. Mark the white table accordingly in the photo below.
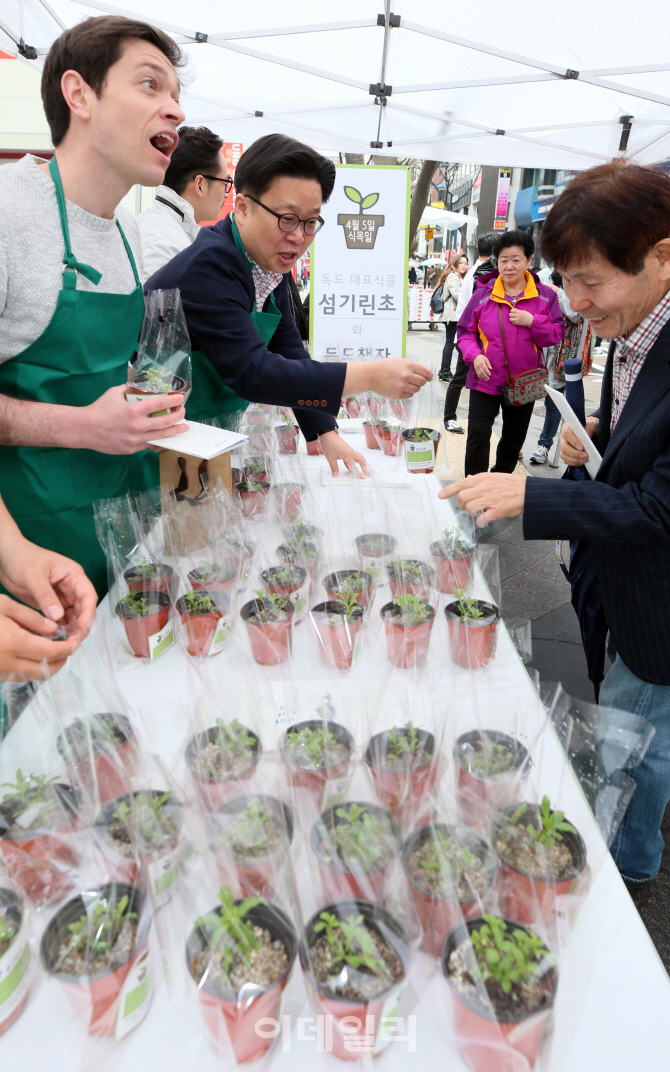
(613, 992)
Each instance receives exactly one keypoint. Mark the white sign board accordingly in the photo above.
(358, 297)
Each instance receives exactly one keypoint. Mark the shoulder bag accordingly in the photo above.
(437, 299)
(525, 386)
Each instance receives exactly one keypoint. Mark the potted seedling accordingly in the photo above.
(315, 751)
(542, 859)
(268, 619)
(92, 945)
(287, 432)
(375, 550)
(101, 753)
(360, 231)
(15, 959)
(373, 431)
(256, 468)
(145, 824)
(299, 552)
(240, 956)
(338, 623)
(146, 620)
(314, 447)
(352, 407)
(410, 576)
(290, 582)
(390, 439)
(473, 628)
(148, 576)
(155, 381)
(221, 760)
(452, 558)
(492, 767)
(349, 582)
(355, 956)
(408, 621)
(420, 449)
(287, 497)
(205, 618)
(503, 982)
(297, 530)
(257, 832)
(214, 577)
(37, 816)
(403, 765)
(355, 844)
(252, 495)
(450, 872)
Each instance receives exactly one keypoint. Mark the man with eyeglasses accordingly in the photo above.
(246, 346)
(194, 189)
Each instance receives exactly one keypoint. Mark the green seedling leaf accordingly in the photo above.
(369, 201)
(353, 194)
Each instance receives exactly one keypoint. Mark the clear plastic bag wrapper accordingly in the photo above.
(163, 362)
(419, 429)
(473, 621)
(18, 955)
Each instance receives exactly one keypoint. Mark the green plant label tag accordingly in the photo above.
(375, 565)
(16, 971)
(387, 1019)
(222, 634)
(300, 600)
(164, 872)
(419, 457)
(160, 642)
(135, 997)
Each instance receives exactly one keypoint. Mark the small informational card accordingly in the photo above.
(390, 479)
(569, 416)
(201, 441)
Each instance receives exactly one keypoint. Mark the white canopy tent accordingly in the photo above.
(549, 85)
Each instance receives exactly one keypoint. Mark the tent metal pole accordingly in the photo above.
(475, 83)
(479, 47)
(382, 74)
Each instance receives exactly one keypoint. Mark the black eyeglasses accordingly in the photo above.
(288, 221)
(215, 178)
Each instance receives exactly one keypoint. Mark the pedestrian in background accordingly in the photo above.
(450, 281)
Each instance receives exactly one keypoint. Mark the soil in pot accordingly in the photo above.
(373, 433)
(403, 766)
(240, 955)
(147, 576)
(145, 616)
(146, 823)
(15, 959)
(221, 760)
(473, 627)
(350, 582)
(101, 751)
(452, 558)
(355, 956)
(92, 945)
(542, 858)
(408, 621)
(292, 583)
(37, 817)
(252, 495)
(355, 844)
(411, 576)
(156, 382)
(450, 872)
(338, 624)
(420, 449)
(374, 550)
(492, 767)
(256, 832)
(268, 620)
(315, 751)
(503, 982)
(204, 616)
(214, 577)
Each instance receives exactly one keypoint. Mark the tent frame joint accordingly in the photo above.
(29, 52)
(571, 74)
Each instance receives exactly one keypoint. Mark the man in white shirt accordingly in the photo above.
(193, 190)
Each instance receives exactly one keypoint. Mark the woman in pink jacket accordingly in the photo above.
(512, 302)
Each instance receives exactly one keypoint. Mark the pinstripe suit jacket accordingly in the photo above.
(625, 514)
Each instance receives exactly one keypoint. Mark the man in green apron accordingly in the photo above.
(234, 290)
(71, 302)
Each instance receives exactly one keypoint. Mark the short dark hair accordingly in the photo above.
(514, 238)
(196, 154)
(619, 210)
(91, 48)
(485, 244)
(276, 155)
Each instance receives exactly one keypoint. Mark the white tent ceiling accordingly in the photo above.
(542, 85)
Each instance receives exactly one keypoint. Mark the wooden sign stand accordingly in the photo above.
(183, 472)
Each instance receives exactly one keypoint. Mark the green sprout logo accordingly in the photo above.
(360, 228)
(364, 203)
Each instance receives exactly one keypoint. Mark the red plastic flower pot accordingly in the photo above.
(270, 641)
(139, 630)
(528, 899)
(214, 792)
(397, 577)
(127, 868)
(143, 580)
(304, 554)
(338, 583)
(218, 579)
(311, 778)
(287, 438)
(391, 441)
(485, 1043)
(403, 790)
(339, 881)
(253, 498)
(287, 497)
(41, 862)
(438, 915)
(352, 407)
(374, 550)
(109, 741)
(352, 1026)
(480, 795)
(472, 643)
(95, 998)
(295, 590)
(337, 640)
(14, 961)
(136, 390)
(201, 628)
(255, 468)
(372, 435)
(420, 454)
(406, 645)
(450, 573)
(232, 1019)
(314, 446)
(257, 875)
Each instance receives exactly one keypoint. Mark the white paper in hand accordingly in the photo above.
(569, 416)
(201, 441)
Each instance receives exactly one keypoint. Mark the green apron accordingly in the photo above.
(210, 397)
(81, 354)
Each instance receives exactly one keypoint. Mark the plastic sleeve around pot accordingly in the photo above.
(101, 753)
(361, 864)
(251, 837)
(41, 859)
(312, 771)
(481, 794)
(215, 791)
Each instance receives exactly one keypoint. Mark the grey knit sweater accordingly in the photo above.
(31, 252)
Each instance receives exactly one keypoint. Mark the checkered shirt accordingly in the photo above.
(264, 282)
(629, 355)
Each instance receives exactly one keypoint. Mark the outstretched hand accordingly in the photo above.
(489, 496)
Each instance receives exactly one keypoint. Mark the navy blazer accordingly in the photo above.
(217, 292)
(625, 513)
